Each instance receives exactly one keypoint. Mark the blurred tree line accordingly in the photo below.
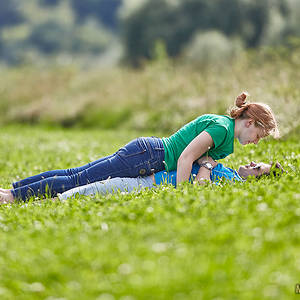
(196, 30)
(33, 30)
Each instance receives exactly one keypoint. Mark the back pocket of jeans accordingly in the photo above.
(132, 149)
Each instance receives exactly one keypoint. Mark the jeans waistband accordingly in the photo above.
(155, 147)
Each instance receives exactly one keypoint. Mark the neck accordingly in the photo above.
(241, 175)
(237, 127)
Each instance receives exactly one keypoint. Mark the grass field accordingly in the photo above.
(161, 96)
(236, 241)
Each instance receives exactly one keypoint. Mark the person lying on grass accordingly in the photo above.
(206, 169)
(248, 122)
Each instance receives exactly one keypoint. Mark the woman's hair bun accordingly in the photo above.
(241, 99)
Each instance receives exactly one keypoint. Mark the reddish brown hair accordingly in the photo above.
(260, 113)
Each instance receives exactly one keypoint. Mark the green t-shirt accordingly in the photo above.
(220, 128)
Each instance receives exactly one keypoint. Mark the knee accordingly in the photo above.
(47, 174)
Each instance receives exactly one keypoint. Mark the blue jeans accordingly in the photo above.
(140, 157)
(110, 186)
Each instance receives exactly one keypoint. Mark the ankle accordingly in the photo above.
(7, 197)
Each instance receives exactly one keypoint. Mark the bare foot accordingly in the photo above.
(6, 197)
(4, 190)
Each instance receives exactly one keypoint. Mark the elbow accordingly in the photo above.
(184, 159)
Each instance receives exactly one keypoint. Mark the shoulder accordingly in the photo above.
(218, 120)
(220, 171)
(220, 167)
(224, 125)
(224, 121)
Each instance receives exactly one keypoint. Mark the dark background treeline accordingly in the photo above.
(33, 31)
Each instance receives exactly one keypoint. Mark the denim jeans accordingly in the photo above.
(110, 186)
(140, 157)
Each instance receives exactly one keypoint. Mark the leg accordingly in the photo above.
(52, 173)
(116, 166)
(6, 197)
(140, 157)
(152, 145)
(110, 186)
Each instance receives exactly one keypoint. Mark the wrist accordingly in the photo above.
(207, 165)
(207, 159)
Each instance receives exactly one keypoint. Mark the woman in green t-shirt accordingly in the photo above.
(248, 122)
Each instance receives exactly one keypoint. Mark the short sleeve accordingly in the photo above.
(218, 133)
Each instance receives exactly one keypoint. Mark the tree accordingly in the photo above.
(10, 13)
(154, 21)
(49, 2)
(104, 11)
(50, 37)
(175, 23)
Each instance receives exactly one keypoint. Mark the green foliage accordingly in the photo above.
(37, 31)
(212, 47)
(49, 37)
(10, 13)
(53, 37)
(104, 118)
(176, 23)
(51, 31)
(140, 37)
(103, 10)
(236, 241)
(49, 2)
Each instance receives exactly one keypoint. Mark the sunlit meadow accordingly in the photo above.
(233, 241)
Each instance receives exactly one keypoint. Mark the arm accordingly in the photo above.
(203, 173)
(196, 148)
(207, 158)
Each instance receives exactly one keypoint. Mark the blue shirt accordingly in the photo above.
(217, 174)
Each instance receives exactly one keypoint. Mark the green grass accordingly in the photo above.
(236, 241)
(161, 96)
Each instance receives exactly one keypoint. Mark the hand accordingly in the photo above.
(209, 159)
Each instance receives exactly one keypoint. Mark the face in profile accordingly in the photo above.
(254, 169)
(250, 133)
